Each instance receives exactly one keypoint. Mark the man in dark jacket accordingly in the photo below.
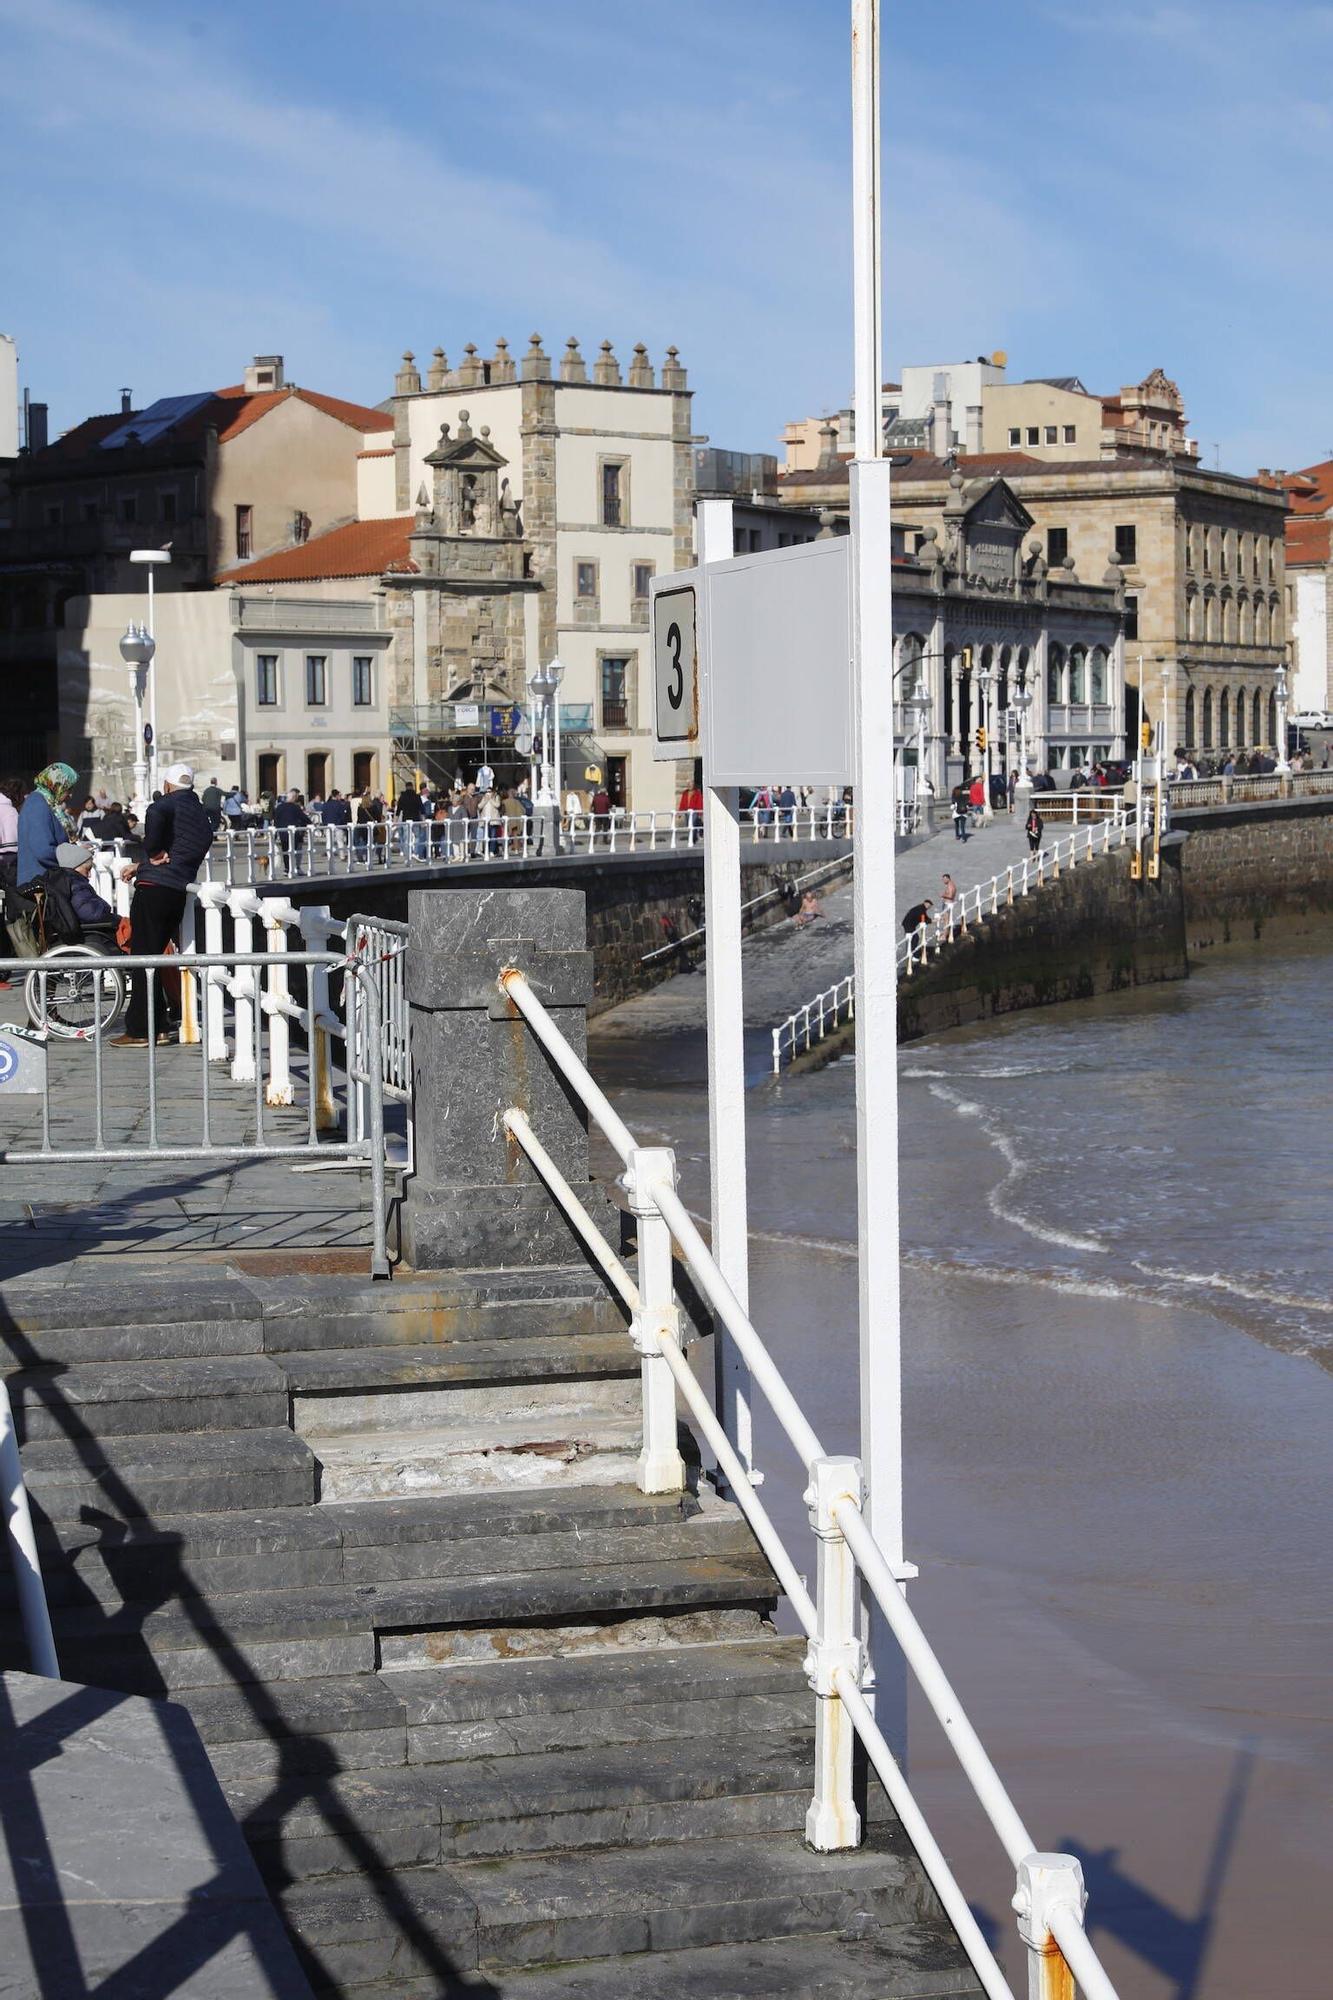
(176, 837)
(291, 819)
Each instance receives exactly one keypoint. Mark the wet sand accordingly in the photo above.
(1119, 1506)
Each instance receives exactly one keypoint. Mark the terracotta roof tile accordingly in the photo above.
(355, 415)
(358, 548)
(1308, 543)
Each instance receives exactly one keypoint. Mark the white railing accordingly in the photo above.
(1188, 792)
(303, 853)
(24, 1562)
(1078, 807)
(810, 1023)
(1049, 1894)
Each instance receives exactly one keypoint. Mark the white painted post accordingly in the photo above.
(244, 905)
(878, 1227)
(1045, 1881)
(832, 1821)
(315, 937)
(278, 1090)
(212, 896)
(730, 1212)
(661, 1467)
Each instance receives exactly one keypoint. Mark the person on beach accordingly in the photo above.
(1034, 826)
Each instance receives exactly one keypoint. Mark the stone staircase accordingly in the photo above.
(492, 1720)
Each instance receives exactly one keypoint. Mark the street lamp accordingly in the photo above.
(984, 679)
(1021, 699)
(137, 649)
(1280, 689)
(544, 685)
(919, 703)
(150, 558)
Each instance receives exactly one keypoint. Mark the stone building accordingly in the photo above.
(593, 472)
(1202, 558)
(1309, 588)
(218, 475)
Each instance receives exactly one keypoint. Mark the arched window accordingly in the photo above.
(911, 648)
(1260, 622)
(1193, 615)
(1189, 719)
(948, 693)
(1078, 673)
(1224, 721)
(1191, 547)
(1240, 718)
(1002, 687)
(1228, 618)
(1242, 554)
(1209, 548)
(1272, 720)
(1024, 666)
(1100, 674)
(1209, 618)
(1226, 552)
(1055, 675)
(1207, 718)
(1275, 620)
(1245, 619)
(1257, 712)
(1272, 558)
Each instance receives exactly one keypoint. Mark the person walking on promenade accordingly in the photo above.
(291, 819)
(411, 816)
(45, 821)
(176, 837)
(958, 812)
(1034, 826)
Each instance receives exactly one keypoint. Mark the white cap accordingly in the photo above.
(178, 774)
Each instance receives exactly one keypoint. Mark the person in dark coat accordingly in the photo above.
(73, 861)
(1034, 826)
(176, 837)
(291, 817)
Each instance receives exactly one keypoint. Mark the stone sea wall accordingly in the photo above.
(1256, 871)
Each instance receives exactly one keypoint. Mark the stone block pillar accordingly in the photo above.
(473, 1201)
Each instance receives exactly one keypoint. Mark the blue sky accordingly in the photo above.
(1097, 189)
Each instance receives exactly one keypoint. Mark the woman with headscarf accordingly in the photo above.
(45, 821)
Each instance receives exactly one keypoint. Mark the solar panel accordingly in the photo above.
(157, 420)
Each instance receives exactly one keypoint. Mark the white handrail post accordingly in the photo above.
(832, 1821)
(23, 1557)
(661, 1467)
(279, 1087)
(212, 895)
(1045, 1883)
(243, 906)
(315, 937)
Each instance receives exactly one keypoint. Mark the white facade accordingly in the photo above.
(9, 396)
(1309, 631)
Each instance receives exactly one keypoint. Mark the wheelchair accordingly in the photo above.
(74, 986)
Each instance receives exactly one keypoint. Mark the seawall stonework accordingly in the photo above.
(1255, 871)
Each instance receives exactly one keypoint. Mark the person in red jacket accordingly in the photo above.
(692, 805)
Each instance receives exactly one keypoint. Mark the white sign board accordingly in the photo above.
(22, 1063)
(675, 667)
(771, 634)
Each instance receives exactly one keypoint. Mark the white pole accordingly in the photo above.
(730, 1212)
(874, 899)
(558, 781)
(152, 688)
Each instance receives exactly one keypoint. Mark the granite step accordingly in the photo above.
(117, 1398)
(317, 1312)
(614, 1905)
(521, 1358)
(606, 1796)
(895, 1962)
(368, 1541)
(183, 1642)
(61, 1324)
(517, 1707)
(135, 1475)
(575, 1439)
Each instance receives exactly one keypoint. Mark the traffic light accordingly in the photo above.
(1145, 735)
(981, 739)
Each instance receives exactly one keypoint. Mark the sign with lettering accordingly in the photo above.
(675, 667)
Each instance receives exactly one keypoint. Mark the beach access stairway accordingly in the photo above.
(492, 1719)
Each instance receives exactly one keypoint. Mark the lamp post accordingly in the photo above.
(137, 649)
(984, 679)
(920, 704)
(545, 688)
(150, 558)
(1280, 689)
(1021, 699)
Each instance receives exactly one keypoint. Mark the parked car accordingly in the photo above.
(1313, 718)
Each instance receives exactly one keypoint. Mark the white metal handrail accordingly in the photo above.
(1049, 1896)
(818, 1017)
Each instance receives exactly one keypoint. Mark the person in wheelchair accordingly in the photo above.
(96, 919)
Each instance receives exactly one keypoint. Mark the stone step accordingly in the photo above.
(368, 1541)
(353, 1372)
(575, 1440)
(611, 1796)
(513, 1707)
(61, 1324)
(126, 1477)
(546, 1398)
(114, 1398)
(615, 1905)
(279, 1634)
(897, 1962)
(440, 1312)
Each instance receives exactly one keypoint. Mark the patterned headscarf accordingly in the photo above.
(55, 784)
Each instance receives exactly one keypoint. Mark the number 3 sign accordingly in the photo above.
(675, 672)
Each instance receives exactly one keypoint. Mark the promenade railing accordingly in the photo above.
(1049, 1895)
(818, 1017)
(1249, 789)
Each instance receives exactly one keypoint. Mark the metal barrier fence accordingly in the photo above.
(1049, 1895)
(254, 1032)
(1245, 789)
(817, 1018)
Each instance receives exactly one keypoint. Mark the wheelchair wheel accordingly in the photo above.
(83, 987)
